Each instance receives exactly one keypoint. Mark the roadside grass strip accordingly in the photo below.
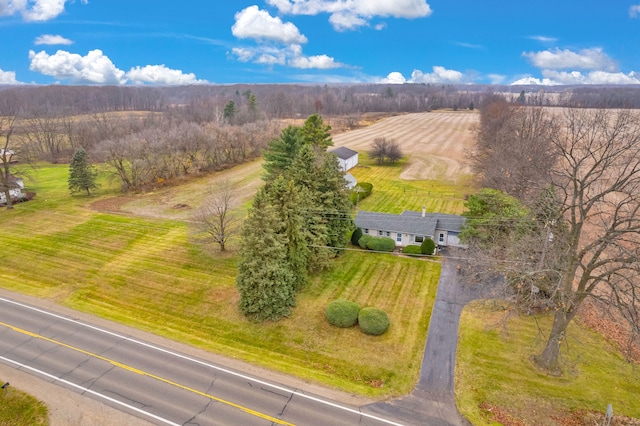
(494, 367)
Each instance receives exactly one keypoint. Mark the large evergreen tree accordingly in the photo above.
(300, 220)
(265, 280)
(82, 174)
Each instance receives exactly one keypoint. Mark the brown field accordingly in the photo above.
(434, 142)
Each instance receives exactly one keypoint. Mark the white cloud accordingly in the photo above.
(349, 14)
(8, 77)
(160, 74)
(544, 39)
(51, 39)
(554, 78)
(394, 78)
(291, 56)
(591, 59)
(258, 24)
(34, 10)
(533, 81)
(634, 11)
(318, 61)
(94, 68)
(496, 78)
(439, 75)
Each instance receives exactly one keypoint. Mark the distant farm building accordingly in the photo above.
(347, 158)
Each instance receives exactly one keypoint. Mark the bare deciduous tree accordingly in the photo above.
(583, 238)
(513, 152)
(216, 218)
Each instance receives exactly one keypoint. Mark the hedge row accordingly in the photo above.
(344, 313)
(376, 243)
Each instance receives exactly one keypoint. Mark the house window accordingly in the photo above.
(399, 237)
(441, 238)
(379, 233)
(388, 234)
(365, 230)
(418, 239)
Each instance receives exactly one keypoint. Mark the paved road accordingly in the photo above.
(432, 402)
(156, 383)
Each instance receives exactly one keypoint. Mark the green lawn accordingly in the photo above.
(148, 273)
(494, 367)
(393, 195)
(19, 408)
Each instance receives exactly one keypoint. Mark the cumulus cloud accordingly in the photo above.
(257, 24)
(96, 68)
(51, 39)
(34, 10)
(160, 74)
(590, 59)
(317, 61)
(439, 75)
(290, 55)
(394, 78)
(634, 11)
(346, 15)
(8, 77)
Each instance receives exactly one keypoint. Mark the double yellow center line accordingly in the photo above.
(144, 373)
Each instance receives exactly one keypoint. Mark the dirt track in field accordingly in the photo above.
(435, 142)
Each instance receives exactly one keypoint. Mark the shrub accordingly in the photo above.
(355, 237)
(364, 240)
(412, 250)
(373, 321)
(381, 244)
(342, 313)
(361, 191)
(428, 246)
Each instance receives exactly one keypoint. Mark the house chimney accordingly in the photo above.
(424, 210)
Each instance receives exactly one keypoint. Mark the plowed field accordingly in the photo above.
(435, 142)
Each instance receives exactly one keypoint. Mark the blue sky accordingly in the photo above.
(319, 41)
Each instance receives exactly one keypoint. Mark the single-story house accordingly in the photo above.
(411, 228)
(16, 185)
(347, 158)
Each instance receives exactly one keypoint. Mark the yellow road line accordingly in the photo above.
(153, 376)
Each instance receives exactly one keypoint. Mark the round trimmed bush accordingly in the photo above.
(342, 313)
(428, 246)
(355, 237)
(373, 321)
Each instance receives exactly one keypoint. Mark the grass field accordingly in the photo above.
(19, 408)
(494, 367)
(392, 194)
(144, 270)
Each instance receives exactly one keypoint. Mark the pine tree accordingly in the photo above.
(316, 133)
(285, 197)
(264, 280)
(282, 151)
(82, 174)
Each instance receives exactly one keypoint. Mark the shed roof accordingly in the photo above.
(344, 153)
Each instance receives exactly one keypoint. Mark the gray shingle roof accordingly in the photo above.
(409, 222)
(343, 152)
